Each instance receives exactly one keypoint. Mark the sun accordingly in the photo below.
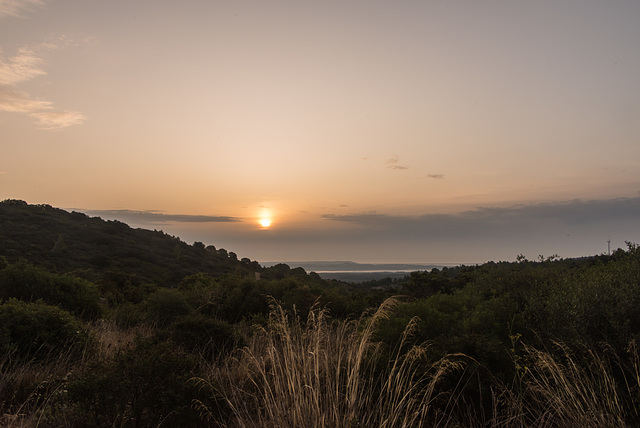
(265, 217)
(265, 222)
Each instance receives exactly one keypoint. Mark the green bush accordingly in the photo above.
(26, 282)
(37, 330)
(166, 305)
(147, 384)
(204, 335)
(203, 292)
(127, 315)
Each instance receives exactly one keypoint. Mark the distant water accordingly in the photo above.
(366, 271)
(348, 266)
(361, 272)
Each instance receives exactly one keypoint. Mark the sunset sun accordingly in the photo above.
(265, 222)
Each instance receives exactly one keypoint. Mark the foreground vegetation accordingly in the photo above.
(146, 330)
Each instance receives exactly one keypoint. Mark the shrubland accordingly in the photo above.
(104, 325)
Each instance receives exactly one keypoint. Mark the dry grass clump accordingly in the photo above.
(109, 337)
(328, 373)
(568, 394)
(29, 389)
(558, 390)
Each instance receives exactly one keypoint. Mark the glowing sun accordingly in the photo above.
(265, 222)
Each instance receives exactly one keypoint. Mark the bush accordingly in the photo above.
(147, 384)
(127, 315)
(205, 335)
(166, 305)
(26, 282)
(37, 330)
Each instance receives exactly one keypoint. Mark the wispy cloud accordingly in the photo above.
(157, 217)
(436, 176)
(52, 120)
(392, 163)
(26, 65)
(17, 8)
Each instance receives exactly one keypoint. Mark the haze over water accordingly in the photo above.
(372, 131)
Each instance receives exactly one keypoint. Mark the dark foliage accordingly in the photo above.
(26, 282)
(146, 385)
(64, 241)
(39, 331)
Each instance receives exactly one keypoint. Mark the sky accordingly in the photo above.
(374, 131)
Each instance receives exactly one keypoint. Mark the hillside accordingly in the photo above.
(91, 247)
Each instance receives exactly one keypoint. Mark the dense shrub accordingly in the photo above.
(166, 305)
(144, 385)
(127, 315)
(37, 330)
(204, 335)
(26, 282)
(203, 293)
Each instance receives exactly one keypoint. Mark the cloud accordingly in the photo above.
(570, 229)
(14, 101)
(436, 176)
(156, 217)
(24, 66)
(505, 222)
(17, 7)
(52, 120)
(392, 163)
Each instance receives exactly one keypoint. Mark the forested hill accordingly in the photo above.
(91, 247)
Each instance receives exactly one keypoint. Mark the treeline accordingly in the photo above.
(213, 340)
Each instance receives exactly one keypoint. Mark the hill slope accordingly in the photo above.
(91, 247)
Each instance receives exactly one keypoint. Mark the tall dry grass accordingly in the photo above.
(565, 393)
(109, 337)
(29, 390)
(327, 373)
(560, 389)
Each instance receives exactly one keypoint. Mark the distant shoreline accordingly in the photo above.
(366, 271)
(348, 271)
(334, 267)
